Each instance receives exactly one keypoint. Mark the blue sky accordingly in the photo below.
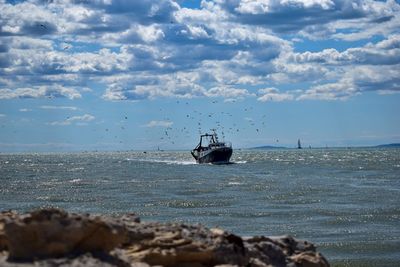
(119, 74)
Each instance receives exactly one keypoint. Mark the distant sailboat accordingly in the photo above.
(298, 144)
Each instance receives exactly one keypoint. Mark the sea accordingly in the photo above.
(346, 201)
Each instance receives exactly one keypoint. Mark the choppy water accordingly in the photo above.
(346, 201)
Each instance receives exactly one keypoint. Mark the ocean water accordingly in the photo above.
(346, 201)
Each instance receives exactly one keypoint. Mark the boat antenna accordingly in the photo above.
(214, 134)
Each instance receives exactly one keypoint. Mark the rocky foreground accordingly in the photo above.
(53, 237)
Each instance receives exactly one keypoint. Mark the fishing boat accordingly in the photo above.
(211, 150)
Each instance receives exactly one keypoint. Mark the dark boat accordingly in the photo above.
(214, 152)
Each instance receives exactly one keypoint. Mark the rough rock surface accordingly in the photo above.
(52, 237)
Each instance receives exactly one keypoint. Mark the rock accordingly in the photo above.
(178, 245)
(55, 233)
(3, 238)
(5, 216)
(85, 260)
(283, 251)
(52, 237)
(309, 259)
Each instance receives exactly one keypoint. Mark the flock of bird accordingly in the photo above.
(225, 123)
(192, 123)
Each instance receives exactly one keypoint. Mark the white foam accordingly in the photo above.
(76, 169)
(235, 183)
(240, 162)
(166, 161)
(75, 180)
(178, 162)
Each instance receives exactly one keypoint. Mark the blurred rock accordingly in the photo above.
(51, 233)
(52, 237)
(179, 244)
(5, 216)
(309, 259)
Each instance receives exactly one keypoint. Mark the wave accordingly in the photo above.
(75, 181)
(166, 161)
(235, 183)
(240, 162)
(177, 161)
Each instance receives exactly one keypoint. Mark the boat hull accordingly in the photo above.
(216, 156)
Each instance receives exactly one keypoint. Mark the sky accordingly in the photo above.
(81, 75)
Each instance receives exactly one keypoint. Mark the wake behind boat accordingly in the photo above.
(214, 152)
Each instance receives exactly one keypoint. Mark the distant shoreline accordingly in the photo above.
(393, 145)
(266, 147)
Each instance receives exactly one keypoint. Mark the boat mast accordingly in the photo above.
(214, 135)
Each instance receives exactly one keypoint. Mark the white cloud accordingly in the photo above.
(254, 7)
(25, 109)
(356, 80)
(165, 124)
(324, 4)
(386, 52)
(331, 91)
(38, 21)
(181, 85)
(59, 107)
(228, 92)
(373, 67)
(40, 92)
(273, 95)
(78, 120)
(258, 7)
(380, 18)
(28, 43)
(210, 12)
(139, 33)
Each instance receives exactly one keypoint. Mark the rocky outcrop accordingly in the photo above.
(52, 237)
(55, 233)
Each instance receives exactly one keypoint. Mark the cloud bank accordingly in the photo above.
(135, 50)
